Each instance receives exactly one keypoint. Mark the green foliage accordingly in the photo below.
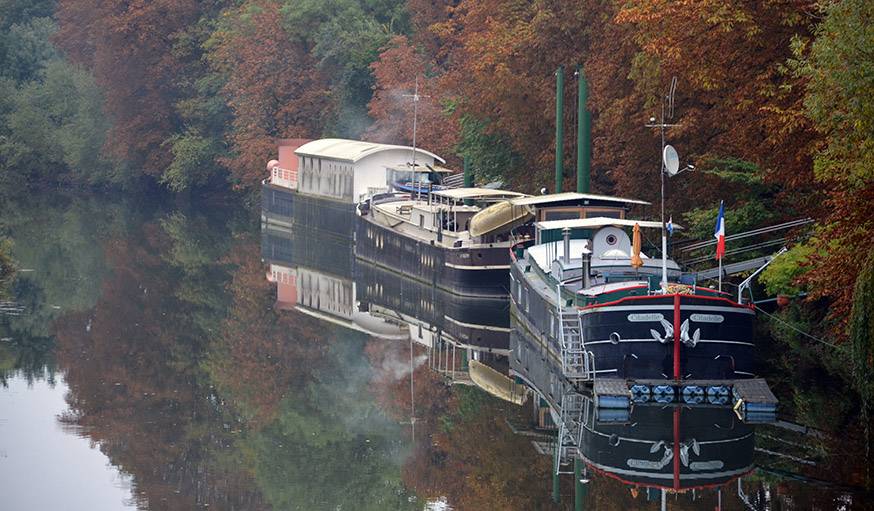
(194, 161)
(840, 77)
(700, 222)
(16, 12)
(346, 37)
(781, 276)
(200, 145)
(54, 129)
(737, 171)
(489, 153)
(7, 267)
(862, 329)
(28, 49)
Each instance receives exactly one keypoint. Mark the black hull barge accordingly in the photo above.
(590, 299)
(476, 272)
(438, 239)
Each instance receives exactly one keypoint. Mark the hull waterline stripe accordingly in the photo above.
(473, 267)
(715, 341)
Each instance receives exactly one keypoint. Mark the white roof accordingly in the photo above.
(475, 193)
(576, 223)
(351, 150)
(569, 196)
(541, 253)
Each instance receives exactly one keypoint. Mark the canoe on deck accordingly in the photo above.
(499, 218)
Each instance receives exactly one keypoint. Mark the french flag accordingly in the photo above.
(719, 233)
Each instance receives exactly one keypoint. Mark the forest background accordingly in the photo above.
(775, 107)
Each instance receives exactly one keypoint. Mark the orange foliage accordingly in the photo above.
(273, 86)
(475, 462)
(396, 72)
(129, 48)
(131, 366)
(735, 94)
(843, 243)
(261, 353)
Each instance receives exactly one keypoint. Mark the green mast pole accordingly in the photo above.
(559, 128)
(584, 134)
(579, 488)
(556, 486)
(468, 179)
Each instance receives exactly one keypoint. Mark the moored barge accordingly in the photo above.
(433, 238)
(318, 184)
(590, 298)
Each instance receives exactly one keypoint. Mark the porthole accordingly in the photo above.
(611, 239)
(615, 338)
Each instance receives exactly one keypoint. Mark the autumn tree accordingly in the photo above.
(272, 85)
(397, 71)
(130, 50)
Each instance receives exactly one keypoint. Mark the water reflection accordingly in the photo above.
(210, 373)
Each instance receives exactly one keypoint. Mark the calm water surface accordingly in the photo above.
(160, 357)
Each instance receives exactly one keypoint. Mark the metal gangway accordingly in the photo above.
(577, 364)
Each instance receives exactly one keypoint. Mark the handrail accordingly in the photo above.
(748, 280)
(753, 232)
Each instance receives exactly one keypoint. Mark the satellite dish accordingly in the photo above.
(671, 160)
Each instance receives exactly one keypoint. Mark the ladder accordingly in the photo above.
(577, 364)
(573, 415)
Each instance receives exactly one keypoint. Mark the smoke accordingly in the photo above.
(396, 364)
(395, 125)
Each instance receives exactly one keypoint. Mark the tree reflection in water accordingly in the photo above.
(188, 377)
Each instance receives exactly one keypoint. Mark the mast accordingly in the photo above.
(416, 97)
(667, 104)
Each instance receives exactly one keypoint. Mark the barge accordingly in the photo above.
(629, 327)
(318, 184)
(434, 238)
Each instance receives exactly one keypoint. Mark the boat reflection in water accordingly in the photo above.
(651, 448)
(466, 338)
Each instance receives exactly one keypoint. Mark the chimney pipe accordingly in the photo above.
(567, 244)
(559, 128)
(587, 268)
(584, 134)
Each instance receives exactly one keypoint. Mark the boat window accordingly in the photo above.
(561, 214)
(604, 212)
(421, 220)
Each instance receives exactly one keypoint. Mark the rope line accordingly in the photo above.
(793, 327)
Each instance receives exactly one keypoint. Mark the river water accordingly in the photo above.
(162, 357)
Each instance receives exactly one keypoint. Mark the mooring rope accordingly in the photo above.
(802, 332)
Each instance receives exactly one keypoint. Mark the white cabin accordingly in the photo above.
(352, 170)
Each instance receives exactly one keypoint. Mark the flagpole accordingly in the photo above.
(720, 274)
